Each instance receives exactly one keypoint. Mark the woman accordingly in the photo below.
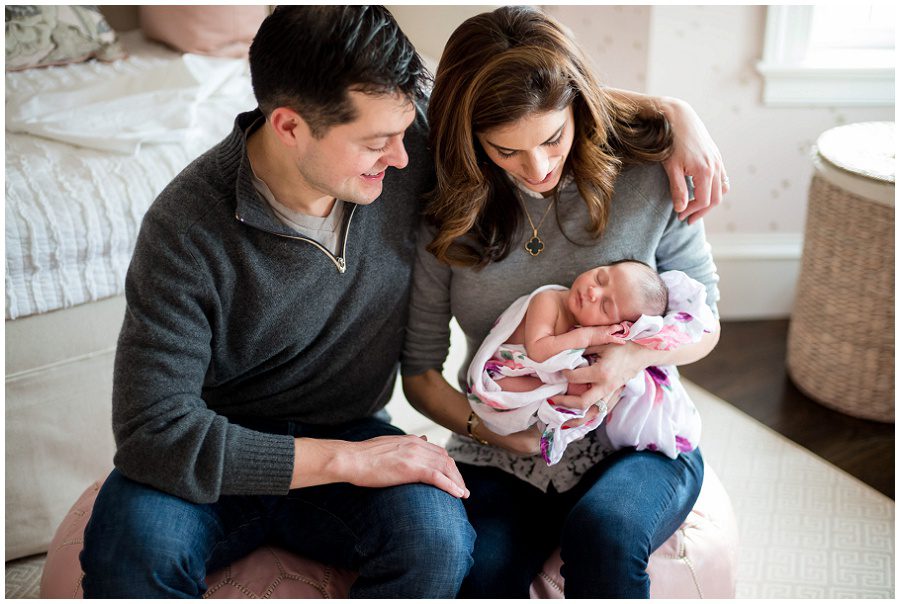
(542, 174)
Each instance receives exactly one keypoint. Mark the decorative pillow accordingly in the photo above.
(222, 31)
(38, 36)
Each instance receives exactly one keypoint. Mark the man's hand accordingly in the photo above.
(383, 461)
(695, 154)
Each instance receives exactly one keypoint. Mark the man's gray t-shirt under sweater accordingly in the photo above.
(232, 318)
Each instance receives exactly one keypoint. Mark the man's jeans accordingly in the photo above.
(406, 541)
(607, 525)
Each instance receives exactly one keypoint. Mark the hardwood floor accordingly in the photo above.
(747, 369)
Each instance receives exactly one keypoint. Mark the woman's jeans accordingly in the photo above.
(607, 526)
(405, 541)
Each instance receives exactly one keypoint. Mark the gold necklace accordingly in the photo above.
(535, 245)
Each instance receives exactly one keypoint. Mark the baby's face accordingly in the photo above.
(604, 295)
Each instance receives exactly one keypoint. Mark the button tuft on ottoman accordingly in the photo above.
(698, 561)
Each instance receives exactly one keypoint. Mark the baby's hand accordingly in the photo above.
(607, 334)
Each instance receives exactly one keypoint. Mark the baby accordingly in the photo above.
(587, 314)
(516, 377)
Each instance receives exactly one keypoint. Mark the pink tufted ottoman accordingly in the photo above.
(699, 560)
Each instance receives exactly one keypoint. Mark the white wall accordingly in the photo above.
(429, 27)
(615, 38)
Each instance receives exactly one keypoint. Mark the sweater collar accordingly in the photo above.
(250, 208)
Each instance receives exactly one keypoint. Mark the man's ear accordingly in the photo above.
(290, 128)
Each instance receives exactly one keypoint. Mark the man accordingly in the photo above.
(267, 299)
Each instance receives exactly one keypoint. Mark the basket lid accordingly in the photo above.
(865, 149)
(859, 158)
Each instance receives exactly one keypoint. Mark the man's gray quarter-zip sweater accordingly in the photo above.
(233, 317)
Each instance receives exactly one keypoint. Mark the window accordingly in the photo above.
(837, 55)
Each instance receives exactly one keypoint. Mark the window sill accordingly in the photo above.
(802, 85)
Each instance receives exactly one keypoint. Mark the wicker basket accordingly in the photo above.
(841, 338)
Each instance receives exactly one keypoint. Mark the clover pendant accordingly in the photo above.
(535, 246)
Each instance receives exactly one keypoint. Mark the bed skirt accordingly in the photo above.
(58, 415)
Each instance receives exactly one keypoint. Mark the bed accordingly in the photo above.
(88, 147)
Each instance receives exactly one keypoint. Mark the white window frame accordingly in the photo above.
(788, 81)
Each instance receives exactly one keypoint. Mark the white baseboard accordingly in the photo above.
(758, 273)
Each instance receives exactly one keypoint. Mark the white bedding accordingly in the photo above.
(73, 212)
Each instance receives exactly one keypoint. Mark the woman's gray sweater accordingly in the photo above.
(642, 226)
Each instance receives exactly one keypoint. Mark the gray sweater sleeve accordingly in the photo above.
(684, 247)
(166, 436)
(428, 330)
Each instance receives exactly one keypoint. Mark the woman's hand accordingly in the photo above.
(695, 154)
(613, 367)
(594, 410)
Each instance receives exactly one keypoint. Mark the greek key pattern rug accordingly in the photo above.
(808, 529)
(23, 577)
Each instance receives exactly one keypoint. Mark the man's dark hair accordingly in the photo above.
(307, 58)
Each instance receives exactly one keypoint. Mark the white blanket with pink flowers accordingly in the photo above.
(653, 412)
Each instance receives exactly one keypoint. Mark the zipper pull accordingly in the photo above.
(342, 265)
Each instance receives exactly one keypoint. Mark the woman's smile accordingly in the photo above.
(545, 180)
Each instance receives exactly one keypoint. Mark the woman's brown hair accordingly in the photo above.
(497, 68)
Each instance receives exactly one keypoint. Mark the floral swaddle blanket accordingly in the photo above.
(654, 412)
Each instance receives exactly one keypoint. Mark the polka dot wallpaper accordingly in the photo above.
(614, 37)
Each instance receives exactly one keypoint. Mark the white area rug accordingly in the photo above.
(808, 529)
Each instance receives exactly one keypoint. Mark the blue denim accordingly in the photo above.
(607, 526)
(405, 541)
